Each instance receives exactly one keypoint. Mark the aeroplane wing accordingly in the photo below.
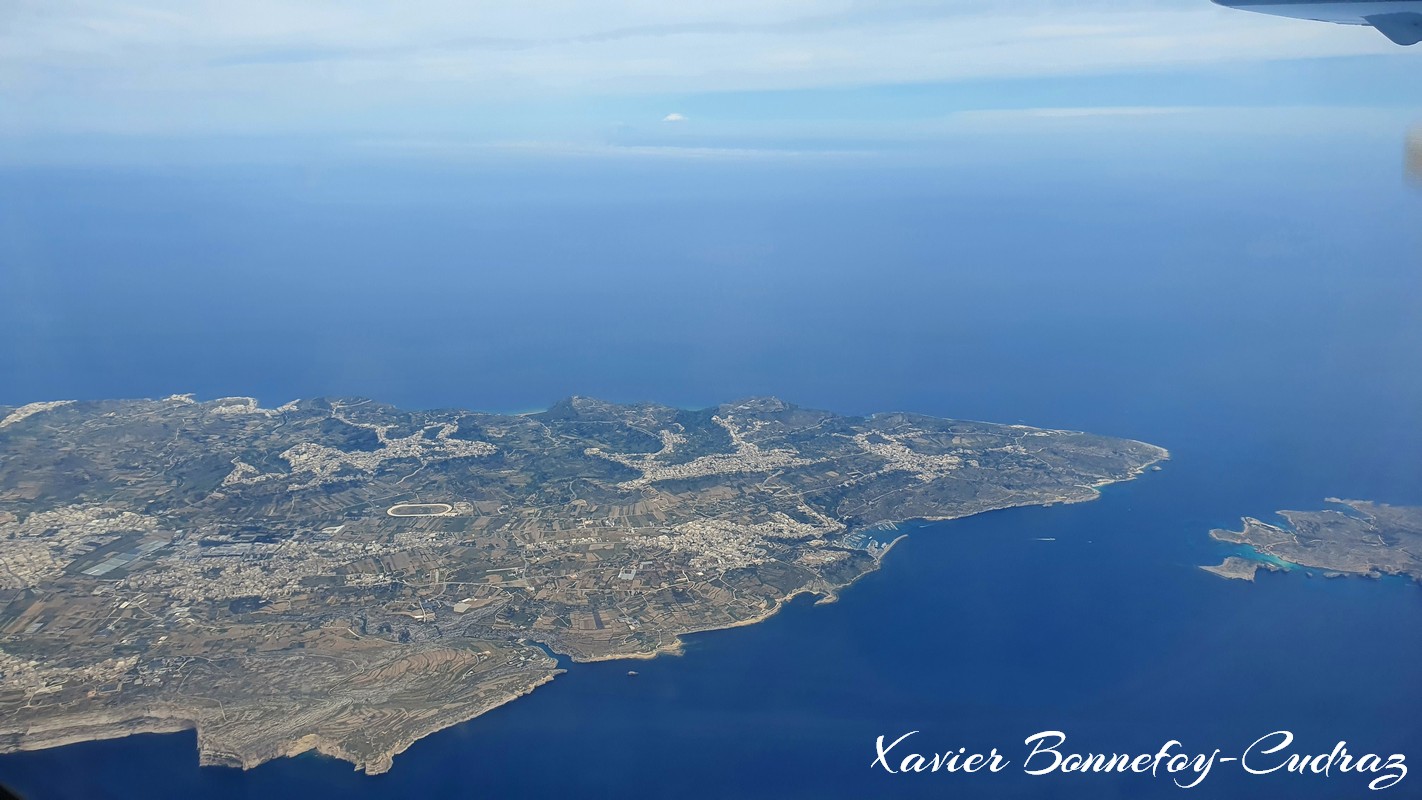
(1403, 28)
(1398, 20)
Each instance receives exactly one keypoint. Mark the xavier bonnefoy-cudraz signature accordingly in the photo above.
(1046, 753)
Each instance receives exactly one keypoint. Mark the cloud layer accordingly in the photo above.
(210, 66)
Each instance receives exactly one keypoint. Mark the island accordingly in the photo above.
(1359, 538)
(344, 576)
(1240, 568)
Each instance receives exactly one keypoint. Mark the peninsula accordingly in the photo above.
(346, 576)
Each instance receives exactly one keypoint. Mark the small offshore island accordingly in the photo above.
(347, 577)
(1367, 539)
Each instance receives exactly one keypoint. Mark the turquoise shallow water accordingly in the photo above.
(1271, 356)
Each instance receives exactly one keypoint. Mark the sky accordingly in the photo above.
(115, 79)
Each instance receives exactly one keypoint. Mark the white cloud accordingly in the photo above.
(674, 117)
(1015, 116)
(541, 149)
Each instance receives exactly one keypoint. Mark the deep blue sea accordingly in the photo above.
(1254, 312)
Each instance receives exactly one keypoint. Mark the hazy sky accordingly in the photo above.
(692, 77)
